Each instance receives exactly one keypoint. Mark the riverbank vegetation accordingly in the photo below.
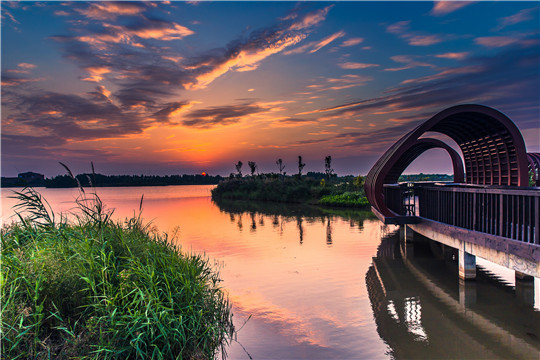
(93, 288)
(321, 190)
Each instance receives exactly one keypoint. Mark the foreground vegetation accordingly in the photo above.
(333, 191)
(92, 288)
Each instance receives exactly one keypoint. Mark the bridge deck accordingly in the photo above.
(499, 224)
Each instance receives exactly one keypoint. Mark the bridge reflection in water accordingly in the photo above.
(422, 309)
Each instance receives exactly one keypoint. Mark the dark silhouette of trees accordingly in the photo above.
(279, 163)
(328, 166)
(252, 167)
(239, 168)
(300, 166)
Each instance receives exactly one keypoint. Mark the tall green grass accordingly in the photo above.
(346, 199)
(93, 288)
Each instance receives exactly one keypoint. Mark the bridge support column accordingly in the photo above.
(467, 293)
(525, 288)
(406, 235)
(467, 265)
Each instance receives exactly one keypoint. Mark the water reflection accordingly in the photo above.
(308, 281)
(422, 310)
(281, 214)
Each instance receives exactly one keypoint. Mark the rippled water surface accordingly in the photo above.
(310, 283)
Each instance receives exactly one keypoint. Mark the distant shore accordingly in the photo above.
(99, 180)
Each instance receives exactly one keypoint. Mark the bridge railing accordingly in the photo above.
(400, 198)
(509, 212)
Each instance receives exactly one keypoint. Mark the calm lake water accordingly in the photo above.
(310, 283)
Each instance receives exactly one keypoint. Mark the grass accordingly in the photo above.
(93, 288)
(346, 199)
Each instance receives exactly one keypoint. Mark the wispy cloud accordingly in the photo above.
(110, 10)
(220, 115)
(502, 41)
(441, 8)
(488, 80)
(246, 55)
(519, 17)
(356, 65)
(415, 38)
(292, 122)
(454, 55)
(344, 82)
(315, 46)
(408, 61)
(327, 41)
(352, 42)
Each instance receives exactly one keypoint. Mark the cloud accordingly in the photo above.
(344, 82)
(519, 17)
(72, 117)
(454, 55)
(316, 45)
(220, 115)
(310, 19)
(423, 40)
(408, 61)
(110, 10)
(402, 30)
(507, 81)
(171, 110)
(327, 41)
(156, 29)
(441, 8)
(356, 65)
(27, 66)
(246, 54)
(292, 122)
(352, 42)
(13, 80)
(502, 41)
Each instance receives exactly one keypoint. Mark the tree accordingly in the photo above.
(328, 166)
(239, 168)
(252, 166)
(300, 166)
(279, 162)
(359, 181)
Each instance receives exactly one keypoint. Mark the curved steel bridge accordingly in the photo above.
(489, 210)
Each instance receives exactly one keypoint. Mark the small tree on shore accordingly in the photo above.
(239, 168)
(252, 167)
(300, 166)
(279, 163)
(328, 166)
(359, 181)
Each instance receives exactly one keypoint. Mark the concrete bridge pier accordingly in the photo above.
(525, 288)
(467, 265)
(467, 293)
(407, 236)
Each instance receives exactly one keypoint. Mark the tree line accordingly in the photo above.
(328, 172)
(100, 180)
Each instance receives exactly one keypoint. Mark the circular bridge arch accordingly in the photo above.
(492, 147)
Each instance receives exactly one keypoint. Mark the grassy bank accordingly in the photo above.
(347, 191)
(93, 288)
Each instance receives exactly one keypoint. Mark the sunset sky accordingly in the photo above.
(186, 87)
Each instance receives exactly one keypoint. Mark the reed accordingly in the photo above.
(94, 288)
